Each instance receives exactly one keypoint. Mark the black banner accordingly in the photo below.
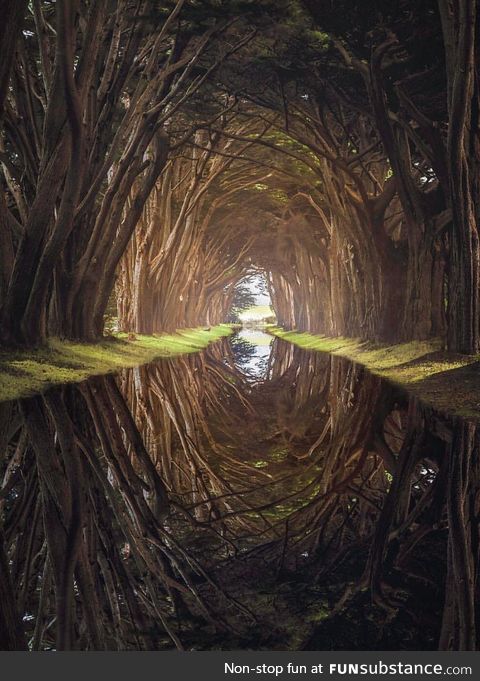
(240, 666)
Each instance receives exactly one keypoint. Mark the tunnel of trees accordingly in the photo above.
(159, 151)
(154, 156)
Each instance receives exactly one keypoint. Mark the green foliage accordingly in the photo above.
(243, 298)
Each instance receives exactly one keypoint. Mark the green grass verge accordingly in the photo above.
(257, 312)
(446, 381)
(24, 373)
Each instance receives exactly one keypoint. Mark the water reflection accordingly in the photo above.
(237, 500)
(252, 350)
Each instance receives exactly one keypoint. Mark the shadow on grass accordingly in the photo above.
(13, 371)
(447, 382)
(454, 390)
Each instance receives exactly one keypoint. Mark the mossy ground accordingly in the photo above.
(446, 381)
(24, 373)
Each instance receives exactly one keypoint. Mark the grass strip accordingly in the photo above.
(24, 373)
(446, 381)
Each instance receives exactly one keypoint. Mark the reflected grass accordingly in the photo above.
(259, 339)
(449, 382)
(24, 373)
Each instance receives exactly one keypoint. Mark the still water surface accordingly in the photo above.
(253, 495)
